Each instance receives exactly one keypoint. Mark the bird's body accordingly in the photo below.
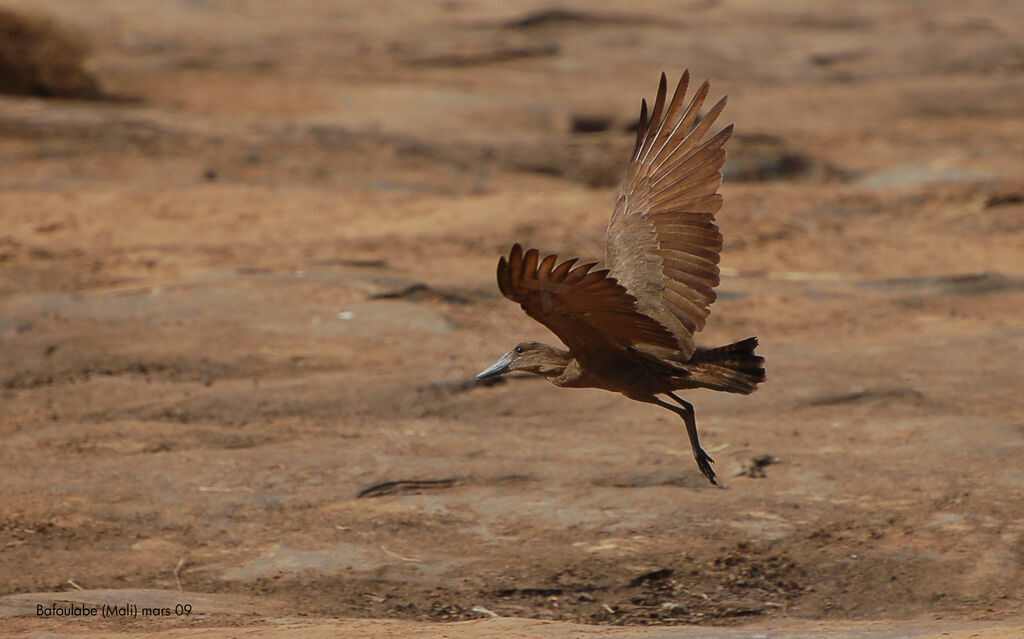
(609, 370)
(630, 327)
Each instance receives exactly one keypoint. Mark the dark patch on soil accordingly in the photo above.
(491, 56)
(766, 158)
(404, 487)
(42, 58)
(880, 393)
(422, 292)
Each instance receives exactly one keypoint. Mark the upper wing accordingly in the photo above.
(584, 309)
(662, 242)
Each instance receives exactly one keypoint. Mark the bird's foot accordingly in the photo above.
(704, 462)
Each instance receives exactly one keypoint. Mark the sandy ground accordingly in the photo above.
(239, 315)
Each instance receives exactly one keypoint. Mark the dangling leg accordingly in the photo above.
(704, 460)
(685, 411)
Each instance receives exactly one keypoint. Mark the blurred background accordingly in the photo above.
(247, 258)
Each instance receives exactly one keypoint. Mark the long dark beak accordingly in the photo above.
(497, 368)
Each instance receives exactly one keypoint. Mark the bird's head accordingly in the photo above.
(531, 357)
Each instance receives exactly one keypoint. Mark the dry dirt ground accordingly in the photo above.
(241, 306)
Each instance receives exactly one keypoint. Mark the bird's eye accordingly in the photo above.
(519, 350)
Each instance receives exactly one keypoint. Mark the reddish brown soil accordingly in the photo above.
(232, 305)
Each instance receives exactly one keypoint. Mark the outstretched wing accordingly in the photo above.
(586, 309)
(663, 244)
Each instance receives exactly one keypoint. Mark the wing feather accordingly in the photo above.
(586, 309)
(663, 244)
(689, 251)
(544, 270)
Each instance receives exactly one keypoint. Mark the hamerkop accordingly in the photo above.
(630, 327)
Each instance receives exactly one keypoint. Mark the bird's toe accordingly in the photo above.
(704, 462)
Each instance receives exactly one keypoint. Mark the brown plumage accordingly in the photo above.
(630, 327)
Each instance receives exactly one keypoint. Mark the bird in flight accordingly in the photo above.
(630, 327)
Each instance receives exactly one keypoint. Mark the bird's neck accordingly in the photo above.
(553, 365)
(570, 373)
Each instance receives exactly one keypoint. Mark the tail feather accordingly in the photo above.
(734, 368)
